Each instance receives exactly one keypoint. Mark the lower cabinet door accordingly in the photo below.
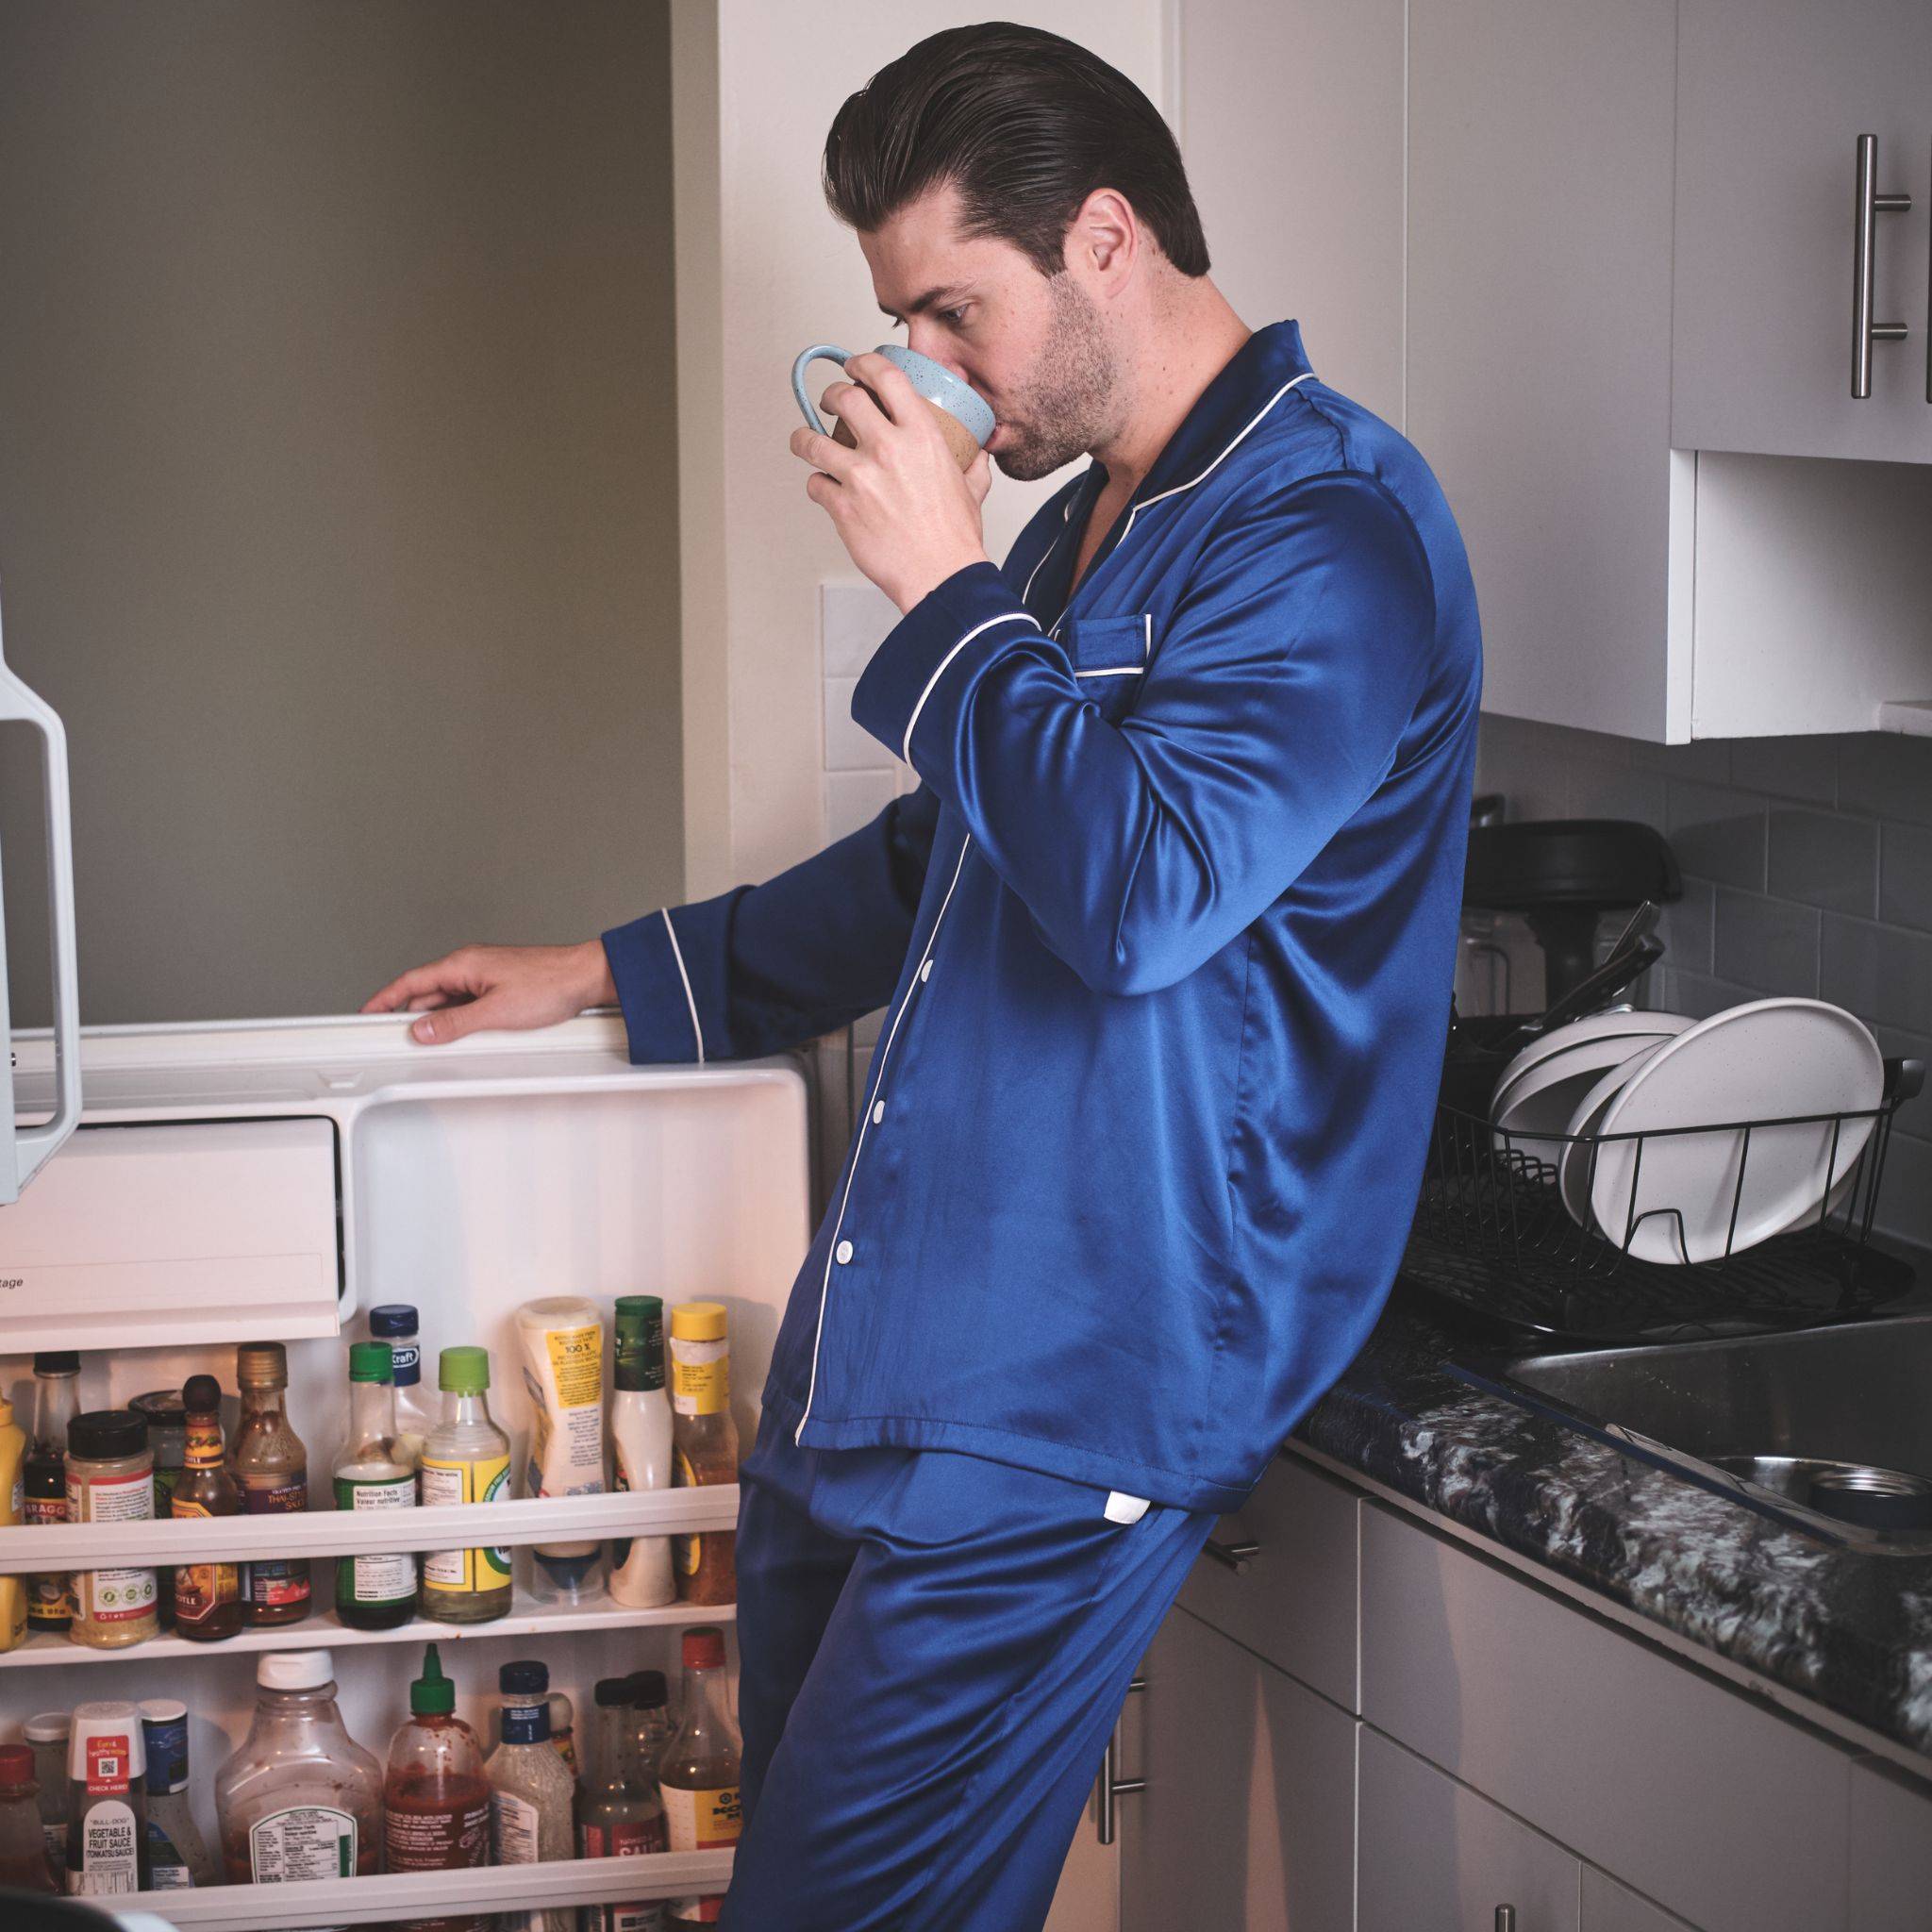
(1609, 1906)
(1088, 1898)
(1433, 1856)
(1248, 1815)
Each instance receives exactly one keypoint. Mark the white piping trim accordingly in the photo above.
(864, 1122)
(1027, 590)
(1147, 635)
(677, 954)
(1122, 670)
(1306, 375)
(1005, 616)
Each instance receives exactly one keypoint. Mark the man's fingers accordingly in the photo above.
(820, 451)
(889, 383)
(858, 409)
(407, 987)
(445, 1023)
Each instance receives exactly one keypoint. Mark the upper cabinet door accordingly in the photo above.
(1538, 340)
(1771, 98)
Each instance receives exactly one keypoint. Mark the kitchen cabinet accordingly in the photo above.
(1772, 96)
(1574, 364)
(1088, 1898)
(1247, 1816)
(1436, 1858)
(1891, 1852)
(1607, 1907)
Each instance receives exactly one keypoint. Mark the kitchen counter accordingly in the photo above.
(1848, 1631)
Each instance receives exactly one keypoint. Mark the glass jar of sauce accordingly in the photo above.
(111, 1478)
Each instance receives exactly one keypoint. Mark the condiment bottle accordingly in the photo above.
(564, 1731)
(13, 1511)
(47, 1735)
(300, 1798)
(619, 1813)
(23, 1850)
(706, 1441)
(698, 1771)
(57, 1402)
(207, 1596)
(561, 1341)
(651, 1729)
(107, 1801)
(177, 1855)
(532, 1791)
(162, 1409)
(641, 1575)
(376, 1471)
(435, 1798)
(110, 1480)
(271, 1468)
(466, 1459)
(416, 1408)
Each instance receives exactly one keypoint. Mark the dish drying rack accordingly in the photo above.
(1491, 1235)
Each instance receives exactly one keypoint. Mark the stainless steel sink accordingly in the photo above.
(1829, 1429)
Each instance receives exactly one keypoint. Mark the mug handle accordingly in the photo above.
(819, 352)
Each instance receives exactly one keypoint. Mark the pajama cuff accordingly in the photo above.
(662, 1012)
(901, 696)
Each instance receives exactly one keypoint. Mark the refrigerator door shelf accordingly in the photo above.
(172, 1234)
(535, 1626)
(439, 1895)
(367, 1532)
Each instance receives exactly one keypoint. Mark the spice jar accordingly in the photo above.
(111, 1478)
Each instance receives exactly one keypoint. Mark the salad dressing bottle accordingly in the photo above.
(466, 1459)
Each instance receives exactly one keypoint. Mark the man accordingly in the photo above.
(1166, 938)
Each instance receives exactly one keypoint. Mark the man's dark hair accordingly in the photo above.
(1025, 125)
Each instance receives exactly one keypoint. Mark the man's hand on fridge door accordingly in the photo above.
(508, 988)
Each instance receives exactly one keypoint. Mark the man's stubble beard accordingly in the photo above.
(1070, 401)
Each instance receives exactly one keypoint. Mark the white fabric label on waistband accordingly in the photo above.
(1122, 1507)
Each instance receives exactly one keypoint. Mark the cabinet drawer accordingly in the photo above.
(1609, 1906)
(1248, 1814)
(1891, 1851)
(1701, 1799)
(1295, 1602)
(1433, 1856)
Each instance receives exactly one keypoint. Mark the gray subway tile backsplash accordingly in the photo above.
(1822, 859)
(1807, 869)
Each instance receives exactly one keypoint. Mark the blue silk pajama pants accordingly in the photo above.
(933, 1648)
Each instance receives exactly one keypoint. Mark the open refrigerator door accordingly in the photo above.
(276, 1180)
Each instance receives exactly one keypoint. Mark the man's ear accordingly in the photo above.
(1105, 240)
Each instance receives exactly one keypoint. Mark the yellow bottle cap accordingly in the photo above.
(697, 1321)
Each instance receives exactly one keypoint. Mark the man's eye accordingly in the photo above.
(952, 317)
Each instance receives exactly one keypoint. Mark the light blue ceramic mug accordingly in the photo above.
(965, 415)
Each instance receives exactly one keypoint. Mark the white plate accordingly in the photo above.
(1540, 1100)
(1573, 1170)
(1760, 1060)
(1566, 1038)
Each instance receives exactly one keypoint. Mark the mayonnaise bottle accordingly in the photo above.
(561, 1340)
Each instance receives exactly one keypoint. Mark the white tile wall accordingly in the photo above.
(859, 775)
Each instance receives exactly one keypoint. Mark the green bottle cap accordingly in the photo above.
(636, 1316)
(372, 1361)
(432, 1694)
(463, 1371)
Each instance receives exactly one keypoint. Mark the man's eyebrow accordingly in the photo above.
(932, 298)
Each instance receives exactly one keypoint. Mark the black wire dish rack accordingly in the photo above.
(1493, 1236)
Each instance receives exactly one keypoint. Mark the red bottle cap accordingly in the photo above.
(703, 1648)
(16, 1764)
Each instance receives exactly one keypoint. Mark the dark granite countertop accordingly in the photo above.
(1848, 1630)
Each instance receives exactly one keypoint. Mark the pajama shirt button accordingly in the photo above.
(925, 972)
(878, 1111)
(842, 1253)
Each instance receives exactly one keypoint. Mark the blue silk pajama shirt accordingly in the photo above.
(1165, 940)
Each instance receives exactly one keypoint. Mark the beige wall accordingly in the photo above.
(763, 269)
(337, 483)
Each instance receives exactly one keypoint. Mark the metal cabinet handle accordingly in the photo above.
(1112, 1785)
(1868, 206)
(1506, 1918)
(23, 1150)
(1236, 1555)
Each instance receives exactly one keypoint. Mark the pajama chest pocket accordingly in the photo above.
(1110, 657)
